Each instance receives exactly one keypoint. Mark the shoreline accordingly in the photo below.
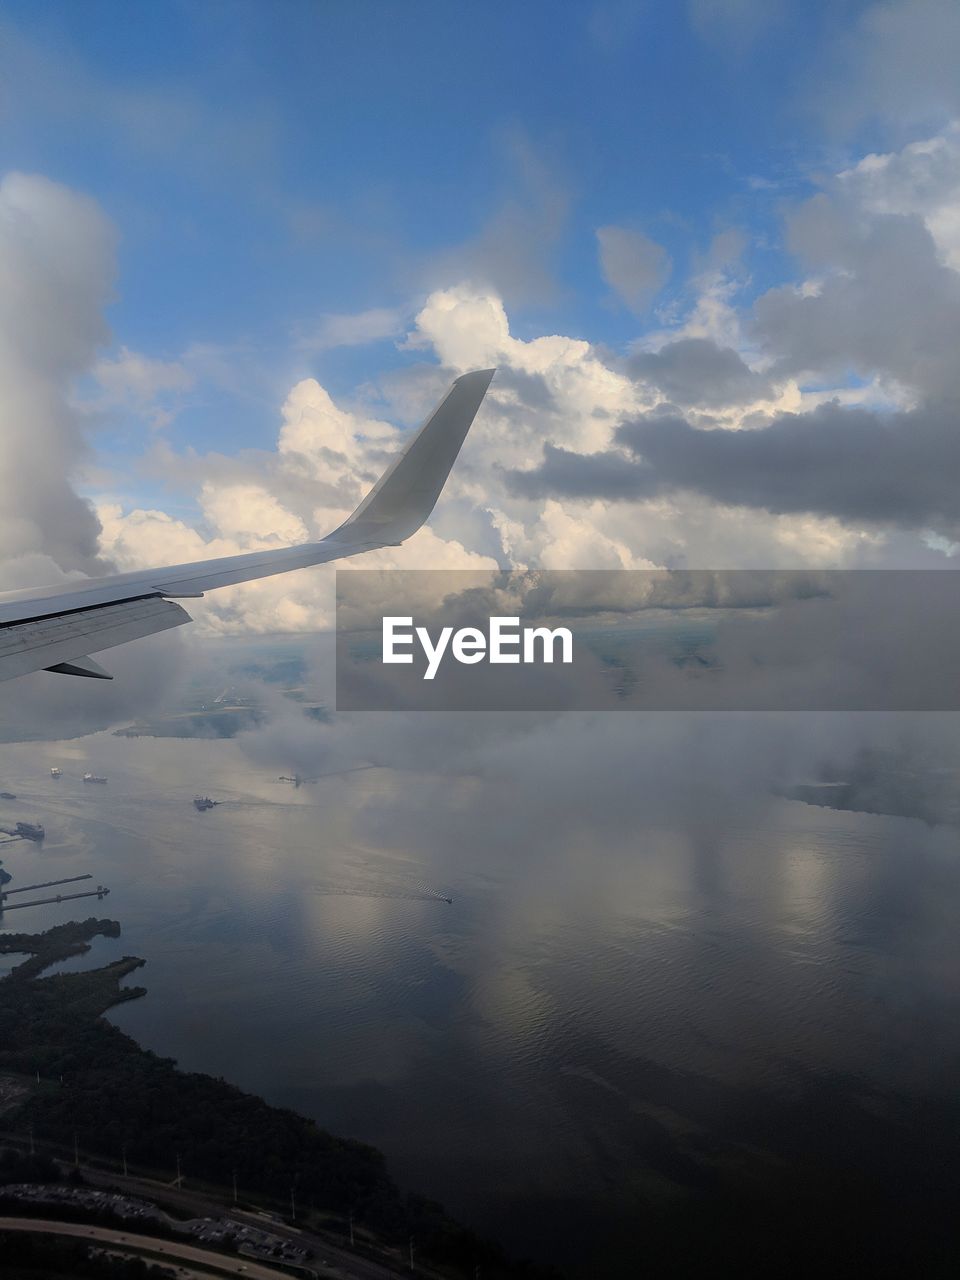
(125, 1103)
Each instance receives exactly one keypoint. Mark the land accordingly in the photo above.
(75, 1081)
(224, 710)
(212, 722)
(895, 783)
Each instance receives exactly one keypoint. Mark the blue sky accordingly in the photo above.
(267, 164)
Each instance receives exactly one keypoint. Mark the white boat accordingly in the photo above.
(93, 777)
(55, 772)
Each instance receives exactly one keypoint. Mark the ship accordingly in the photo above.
(7, 795)
(93, 777)
(55, 772)
(202, 803)
(29, 831)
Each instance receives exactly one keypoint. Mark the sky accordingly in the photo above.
(712, 247)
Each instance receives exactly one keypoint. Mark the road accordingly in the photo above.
(333, 1260)
(337, 1261)
(209, 1263)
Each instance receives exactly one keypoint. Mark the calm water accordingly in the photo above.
(578, 1030)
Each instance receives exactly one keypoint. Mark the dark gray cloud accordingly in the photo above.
(845, 462)
(576, 475)
(885, 305)
(850, 463)
(698, 371)
(531, 390)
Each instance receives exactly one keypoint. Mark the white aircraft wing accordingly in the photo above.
(57, 628)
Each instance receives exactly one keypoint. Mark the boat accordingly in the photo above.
(55, 772)
(29, 831)
(7, 795)
(202, 803)
(93, 777)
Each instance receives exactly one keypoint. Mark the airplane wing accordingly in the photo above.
(57, 628)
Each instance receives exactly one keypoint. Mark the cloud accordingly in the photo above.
(843, 462)
(45, 705)
(164, 121)
(898, 64)
(559, 401)
(544, 781)
(714, 313)
(698, 371)
(922, 179)
(634, 266)
(512, 254)
(57, 273)
(576, 540)
(355, 330)
(563, 474)
(57, 268)
(131, 380)
(736, 23)
(882, 300)
(846, 463)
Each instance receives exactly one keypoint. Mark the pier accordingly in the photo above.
(100, 892)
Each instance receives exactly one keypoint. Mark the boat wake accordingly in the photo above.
(413, 894)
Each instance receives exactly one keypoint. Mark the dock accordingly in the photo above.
(100, 892)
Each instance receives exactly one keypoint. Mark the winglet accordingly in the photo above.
(407, 492)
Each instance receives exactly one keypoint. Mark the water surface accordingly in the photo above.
(582, 1032)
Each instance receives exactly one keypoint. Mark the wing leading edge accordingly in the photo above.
(56, 628)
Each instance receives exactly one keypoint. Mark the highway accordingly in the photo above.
(338, 1261)
(333, 1260)
(202, 1260)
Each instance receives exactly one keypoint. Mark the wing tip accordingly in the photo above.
(484, 376)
